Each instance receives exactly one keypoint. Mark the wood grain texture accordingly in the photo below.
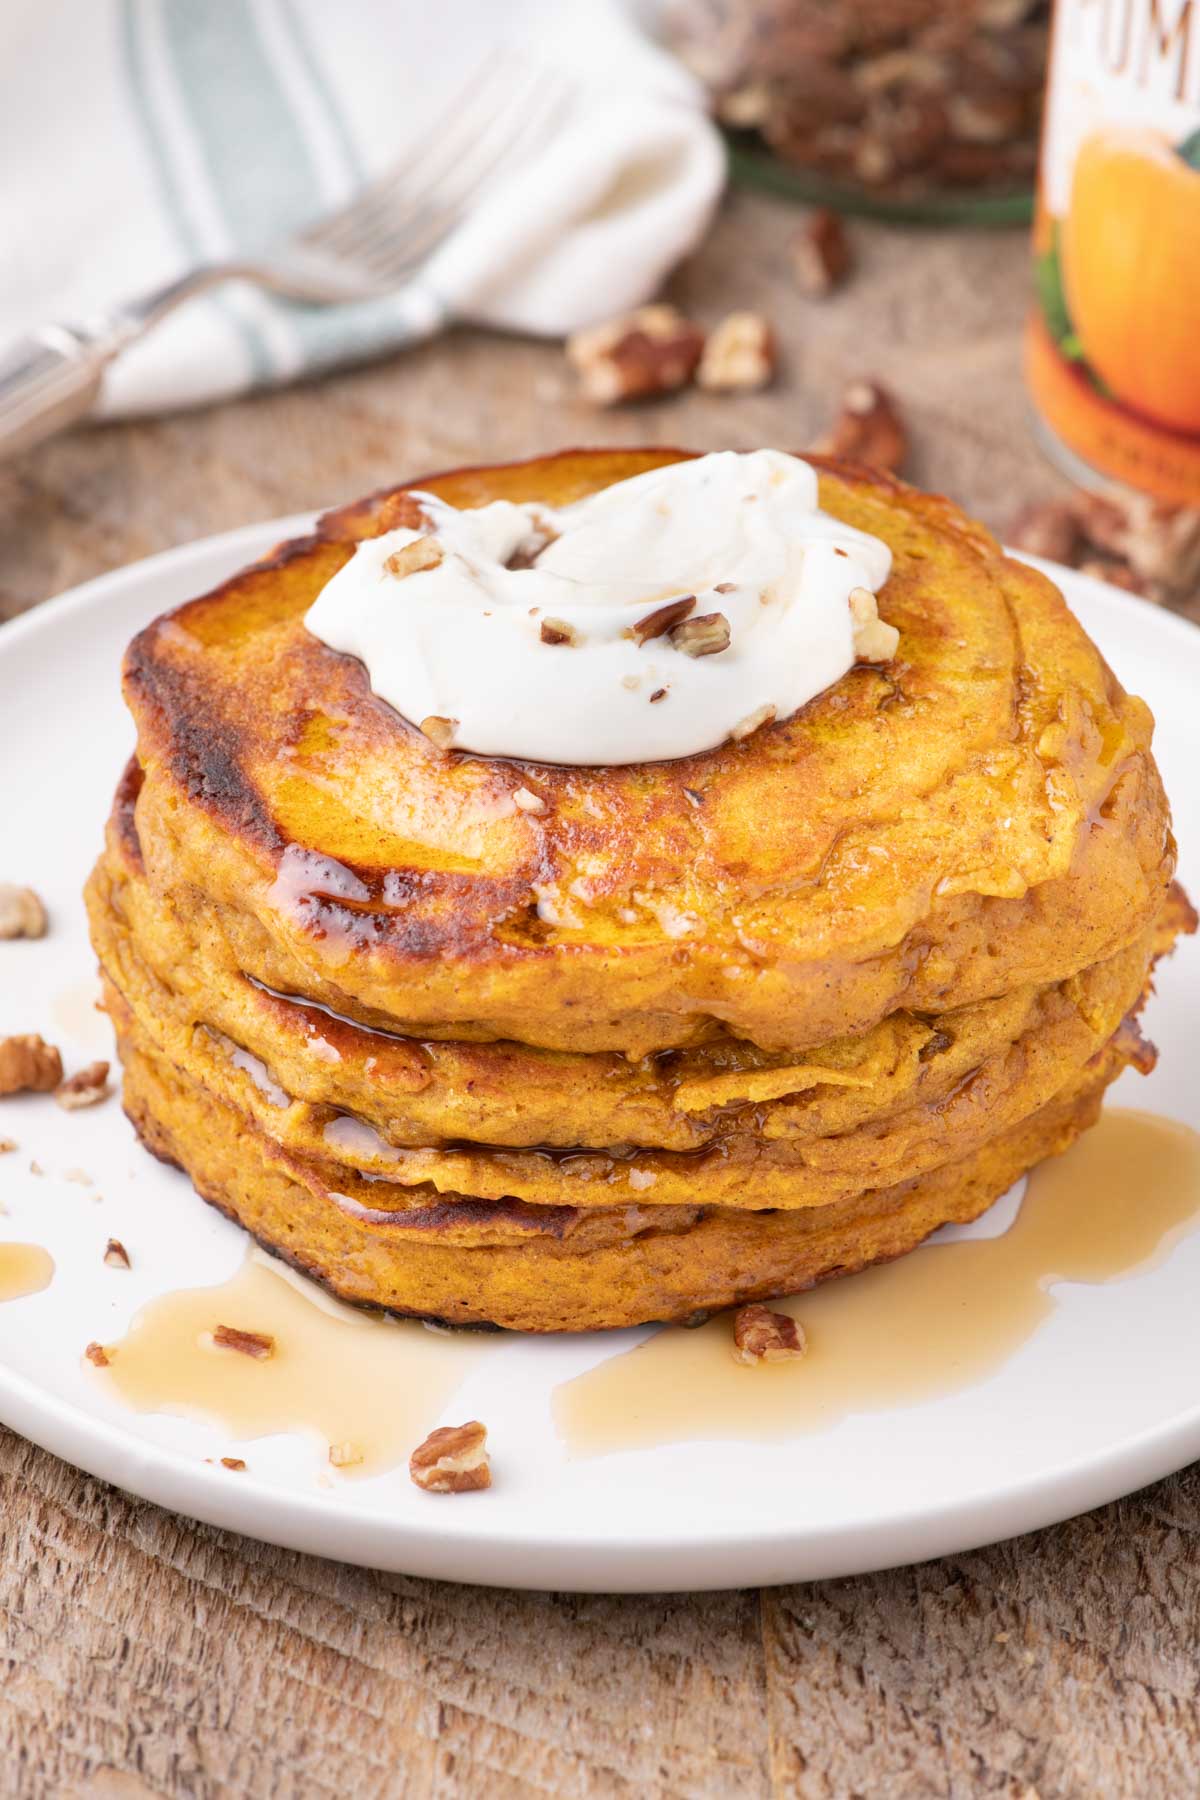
(144, 1655)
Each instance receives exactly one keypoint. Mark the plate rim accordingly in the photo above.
(710, 1557)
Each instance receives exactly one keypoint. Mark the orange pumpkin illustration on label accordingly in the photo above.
(1113, 345)
(1130, 247)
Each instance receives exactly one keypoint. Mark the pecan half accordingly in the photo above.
(763, 1336)
(21, 912)
(869, 428)
(651, 351)
(452, 1460)
(28, 1065)
(422, 553)
(250, 1343)
(739, 355)
(86, 1088)
(821, 253)
(705, 635)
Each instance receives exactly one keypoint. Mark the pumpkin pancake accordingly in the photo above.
(394, 1106)
(980, 813)
(562, 1268)
(653, 1038)
(1006, 1059)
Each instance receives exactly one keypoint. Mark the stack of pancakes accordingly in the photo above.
(694, 1032)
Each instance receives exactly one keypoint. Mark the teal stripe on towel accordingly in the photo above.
(259, 163)
(173, 195)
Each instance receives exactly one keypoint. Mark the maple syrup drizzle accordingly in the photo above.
(369, 1388)
(930, 1323)
(24, 1269)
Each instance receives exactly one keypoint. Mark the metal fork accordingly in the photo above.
(363, 251)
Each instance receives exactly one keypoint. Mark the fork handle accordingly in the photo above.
(47, 381)
(53, 377)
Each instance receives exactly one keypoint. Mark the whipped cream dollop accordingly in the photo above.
(654, 619)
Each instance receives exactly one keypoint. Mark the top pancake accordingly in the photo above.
(982, 812)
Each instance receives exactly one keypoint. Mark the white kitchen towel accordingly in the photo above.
(138, 137)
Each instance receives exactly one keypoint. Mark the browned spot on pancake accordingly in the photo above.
(124, 803)
(203, 748)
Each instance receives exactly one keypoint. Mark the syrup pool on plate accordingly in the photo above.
(24, 1269)
(930, 1323)
(368, 1388)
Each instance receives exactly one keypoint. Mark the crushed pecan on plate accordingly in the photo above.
(452, 1460)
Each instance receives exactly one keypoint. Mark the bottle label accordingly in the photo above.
(1113, 346)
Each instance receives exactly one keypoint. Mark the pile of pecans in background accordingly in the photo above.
(1130, 540)
(901, 98)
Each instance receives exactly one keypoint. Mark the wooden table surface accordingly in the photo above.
(146, 1654)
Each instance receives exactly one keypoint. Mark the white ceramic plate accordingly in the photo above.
(1103, 1398)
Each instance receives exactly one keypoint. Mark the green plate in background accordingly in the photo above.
(758, 168)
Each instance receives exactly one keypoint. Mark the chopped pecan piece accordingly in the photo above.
(739, 355)
(7, 1144)
(873, 640)
(763, 1336)
(422, 553)
(1115, 572)
(869, 428)
(705, 635)
(1049, 528)
(651, 351)
(401, 512)
(558, 631)
(540, 536)
(116, 1256)
(529, 802)
(762, 715)
(86, 1088)
(439, 731)
(452, 1460)
(984, 118)
(1160, 544)
(821, 253)
(97, 1354)
(21, 912)
(250, 1343)
(236, 1463)
(344, 1456)
(661, 620)
(28, 1065)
